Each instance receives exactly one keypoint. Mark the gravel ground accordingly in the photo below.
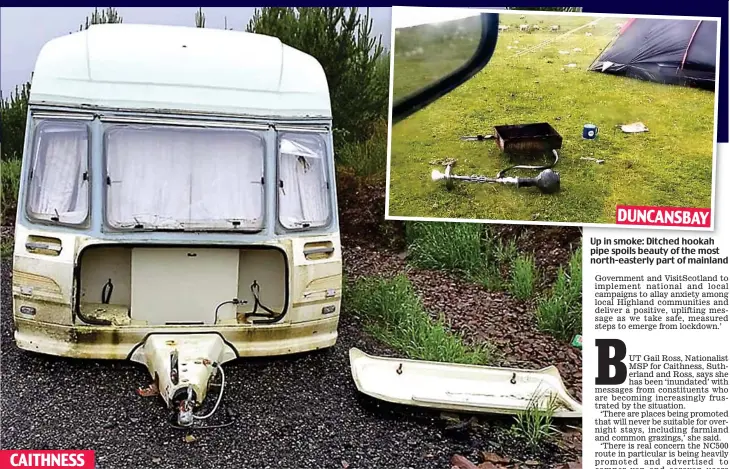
(295, 412)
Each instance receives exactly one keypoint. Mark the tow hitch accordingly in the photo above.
(183, 367)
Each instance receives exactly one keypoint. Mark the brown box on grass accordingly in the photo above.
(527, 138)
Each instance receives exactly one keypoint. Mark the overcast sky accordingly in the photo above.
(23, 31)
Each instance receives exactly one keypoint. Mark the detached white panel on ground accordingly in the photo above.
(464, 388)
(183, 285)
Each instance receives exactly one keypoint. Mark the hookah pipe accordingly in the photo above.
(548, 181)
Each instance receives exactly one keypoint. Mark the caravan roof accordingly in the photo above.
(153, 68)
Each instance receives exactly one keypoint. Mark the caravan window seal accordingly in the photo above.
(314, 128)
(41, 115)
(182, 122)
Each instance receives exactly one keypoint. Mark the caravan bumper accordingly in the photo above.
(120, 342)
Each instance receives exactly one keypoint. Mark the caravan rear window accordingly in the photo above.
(176, 178)
(58, 185)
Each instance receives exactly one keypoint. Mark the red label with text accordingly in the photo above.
(43, 459)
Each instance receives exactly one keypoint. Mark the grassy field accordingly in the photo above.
(671, 165)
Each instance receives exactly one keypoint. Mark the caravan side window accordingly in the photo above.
(304, 198)
(59, 186)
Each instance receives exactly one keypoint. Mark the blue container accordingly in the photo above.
(590, 131)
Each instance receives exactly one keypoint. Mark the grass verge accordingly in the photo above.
(560, 312)
(468, 249)
(394, 314)
(456, 247)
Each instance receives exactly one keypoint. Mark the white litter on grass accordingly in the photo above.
(634, 128)
(510, 47)
(589, 34)
(571, 65)
(517, 42)
(563, 52)
(577, 49)
(588, 158)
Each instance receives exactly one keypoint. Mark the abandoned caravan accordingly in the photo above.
(177, 204)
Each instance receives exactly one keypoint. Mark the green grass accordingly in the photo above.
(560, 312)
(456, 247)
(473, 251)
(671, 165)
(535, 424)
(10, 176)
(467, 249)
(523, 276)
(393, 313)
(6, 246)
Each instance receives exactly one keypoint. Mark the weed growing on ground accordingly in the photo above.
(522, 277)
(534, 424)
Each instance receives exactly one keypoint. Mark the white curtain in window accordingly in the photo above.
(57, 188)
(303, 192)
(183, 177)
(228, 186)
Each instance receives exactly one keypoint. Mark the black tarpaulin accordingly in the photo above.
(680, 52)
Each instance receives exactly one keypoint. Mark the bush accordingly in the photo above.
(560, 312)
(355, 63)
(394, 314)
(10, 174)
(13, 116)
(368, 158)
